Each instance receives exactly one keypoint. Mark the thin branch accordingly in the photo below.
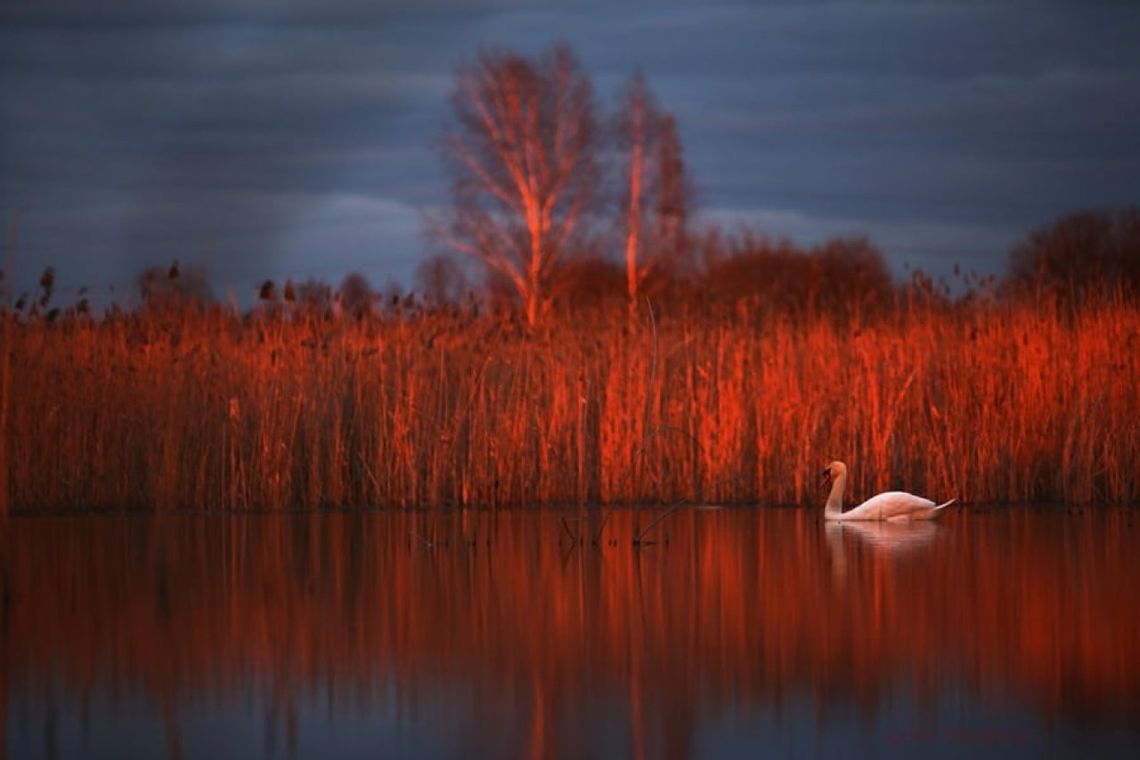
(638, 539)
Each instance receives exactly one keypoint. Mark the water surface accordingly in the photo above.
(726, 633)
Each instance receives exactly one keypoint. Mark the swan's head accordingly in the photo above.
(833, 471)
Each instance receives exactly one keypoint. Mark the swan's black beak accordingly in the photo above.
(825, 476)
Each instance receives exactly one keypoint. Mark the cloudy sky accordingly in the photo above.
(289, 139)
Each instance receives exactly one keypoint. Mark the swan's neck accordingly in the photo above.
(835, 498)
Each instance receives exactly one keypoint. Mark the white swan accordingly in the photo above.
(891, 505)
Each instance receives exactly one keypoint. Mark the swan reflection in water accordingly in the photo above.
(887, 539)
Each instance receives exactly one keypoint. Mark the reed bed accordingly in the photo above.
(205, 408)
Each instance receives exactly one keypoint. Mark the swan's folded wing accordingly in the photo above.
(892, 504)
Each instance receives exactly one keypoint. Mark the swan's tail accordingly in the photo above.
(943, 506)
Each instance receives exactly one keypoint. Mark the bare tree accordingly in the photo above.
(1079, 255)
(524, 166)
(657, 194)
(356, 294)
(441, 280)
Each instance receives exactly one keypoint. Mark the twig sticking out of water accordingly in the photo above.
(640, 451)
(602, 527)
(575, 539)
(639, 539)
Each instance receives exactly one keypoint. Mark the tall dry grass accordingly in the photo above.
(205, 408)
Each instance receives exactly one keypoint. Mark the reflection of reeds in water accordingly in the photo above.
(203, 409)
(738, 607)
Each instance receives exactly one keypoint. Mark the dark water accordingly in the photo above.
(737, 633)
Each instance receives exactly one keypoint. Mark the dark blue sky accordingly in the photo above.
(275, 139)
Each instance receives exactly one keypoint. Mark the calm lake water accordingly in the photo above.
(735, 633)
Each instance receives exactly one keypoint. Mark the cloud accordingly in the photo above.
(932, 246)
(191, 135)
(255, 133)
(351, 232)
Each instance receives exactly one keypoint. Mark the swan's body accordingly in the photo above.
(891, 505)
